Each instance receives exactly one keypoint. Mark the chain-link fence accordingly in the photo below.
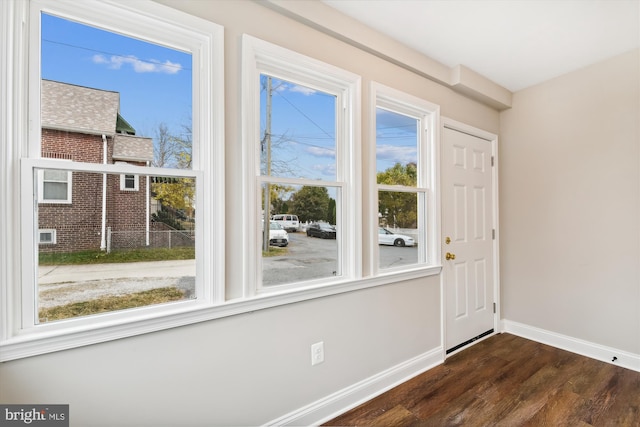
(132, 239)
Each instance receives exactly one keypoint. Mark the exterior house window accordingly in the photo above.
(74, 140)
(54, 186)
(129, 182)
(47, 236)
(405, 173)
(301, 146)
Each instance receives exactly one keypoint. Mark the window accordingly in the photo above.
(54, 186)
(132, 192)
(302, 153)
(405, 171)
(129, 182)
(47, 236)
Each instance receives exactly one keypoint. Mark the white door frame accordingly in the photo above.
(446, 122)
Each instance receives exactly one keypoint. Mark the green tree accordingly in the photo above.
(399, 175)
(311, 203)
(174, 151)
(278, 197)
(331, 212)
(177, 193)
(399, 208)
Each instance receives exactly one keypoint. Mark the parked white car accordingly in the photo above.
(278, 236)
(386, 237)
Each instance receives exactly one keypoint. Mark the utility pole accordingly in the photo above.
(266, 218)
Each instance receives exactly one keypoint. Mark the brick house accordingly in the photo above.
(76, 209)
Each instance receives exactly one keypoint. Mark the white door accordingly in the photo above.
(468, 237)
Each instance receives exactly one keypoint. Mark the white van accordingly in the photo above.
(287, 221)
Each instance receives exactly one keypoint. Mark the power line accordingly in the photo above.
(177, 67)
(303, 114)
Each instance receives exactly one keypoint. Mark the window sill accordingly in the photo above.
(182, 314)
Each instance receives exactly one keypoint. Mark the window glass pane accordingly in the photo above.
(55, 175)
(54, 191)
(297, 131)
(116, 250)
(308, 250)
(47, 236)
(396, 148)
(398, 228)
(95, 82)
(129, 182)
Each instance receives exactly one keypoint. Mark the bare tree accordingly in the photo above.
(164, 147)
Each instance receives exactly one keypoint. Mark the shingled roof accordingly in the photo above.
(92, 111)
(132, 148)
(78, 108)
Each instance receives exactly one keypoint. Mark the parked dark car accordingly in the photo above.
(322, 230)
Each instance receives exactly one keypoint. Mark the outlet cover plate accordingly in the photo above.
(317, 353)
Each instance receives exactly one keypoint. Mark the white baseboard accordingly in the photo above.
(337, 403)
(574, 345)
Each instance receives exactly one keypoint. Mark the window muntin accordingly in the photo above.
(406, 163)
(301, 141)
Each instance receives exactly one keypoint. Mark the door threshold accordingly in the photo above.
(459, 346)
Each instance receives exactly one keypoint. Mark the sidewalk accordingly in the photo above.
(59, 285)
(50, 274)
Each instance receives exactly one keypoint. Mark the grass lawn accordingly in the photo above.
(110, 304)
(101, 257)
(274, 251)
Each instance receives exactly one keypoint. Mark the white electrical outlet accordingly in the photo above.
(317, 353)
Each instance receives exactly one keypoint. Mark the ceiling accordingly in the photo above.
(516, 43)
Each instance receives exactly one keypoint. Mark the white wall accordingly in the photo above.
(570, 205)
(252, 368)
(242, 370)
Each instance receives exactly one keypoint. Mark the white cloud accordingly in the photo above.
(396, 154)
(326, 170)
(321, 152)
(302, 89)
(139, 66)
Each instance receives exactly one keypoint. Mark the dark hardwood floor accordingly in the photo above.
(508, 381)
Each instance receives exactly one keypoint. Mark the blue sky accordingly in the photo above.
(303, 133)
(154, 82)
(396, 139)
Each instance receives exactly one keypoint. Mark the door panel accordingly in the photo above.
(467, 196)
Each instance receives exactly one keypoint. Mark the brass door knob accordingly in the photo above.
(450, 256)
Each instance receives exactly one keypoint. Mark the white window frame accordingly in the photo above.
(428, 116)
(51, 231)
(20, 335)
(41, 192)
(261, 57)
(123, 182)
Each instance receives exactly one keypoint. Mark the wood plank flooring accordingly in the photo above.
(508, 381)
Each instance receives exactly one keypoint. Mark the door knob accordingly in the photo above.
(450, 256)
